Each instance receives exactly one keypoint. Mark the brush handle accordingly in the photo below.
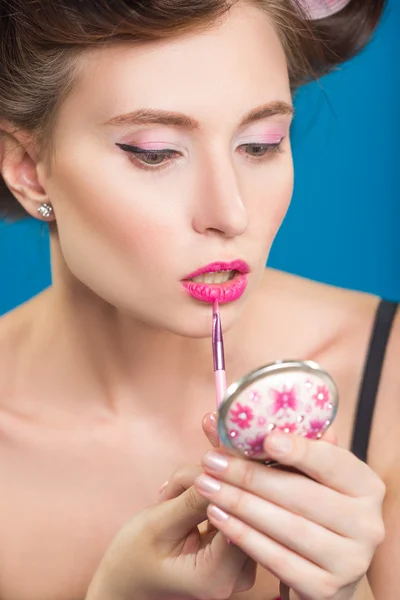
(220, 386)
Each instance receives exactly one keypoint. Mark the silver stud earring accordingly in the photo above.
(45, 210)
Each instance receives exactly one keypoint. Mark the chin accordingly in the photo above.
(195, 319)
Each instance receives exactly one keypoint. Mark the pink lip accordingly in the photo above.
(215, 267)
(223, 292)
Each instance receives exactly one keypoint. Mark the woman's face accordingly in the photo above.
(169, 157)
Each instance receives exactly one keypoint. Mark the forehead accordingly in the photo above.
(234, 64)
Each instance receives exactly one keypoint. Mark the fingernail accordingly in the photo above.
(162, 491)
(163, 487)
(217, 513)
(207, 484)
(280, 444)
(215, 462)
(213, 419)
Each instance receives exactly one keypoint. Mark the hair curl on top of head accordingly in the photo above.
(320, 9)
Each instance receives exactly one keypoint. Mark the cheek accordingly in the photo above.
(110, 224)
(273, 191)
(282, 197)
(111, 230)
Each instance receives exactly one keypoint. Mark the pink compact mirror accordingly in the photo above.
(292, 396)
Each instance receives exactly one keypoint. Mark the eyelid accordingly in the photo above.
(141, 150)
(270, 139)
(136, 153)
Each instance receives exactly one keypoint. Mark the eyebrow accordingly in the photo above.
(181, 121)
(268, 110)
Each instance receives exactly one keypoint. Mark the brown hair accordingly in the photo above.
(40, 40)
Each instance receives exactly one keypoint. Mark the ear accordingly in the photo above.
(18, 167)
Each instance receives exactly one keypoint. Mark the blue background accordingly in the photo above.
(342, 227)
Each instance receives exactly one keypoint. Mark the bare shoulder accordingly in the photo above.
(326, 311)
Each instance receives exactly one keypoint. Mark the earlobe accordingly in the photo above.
(19, 171)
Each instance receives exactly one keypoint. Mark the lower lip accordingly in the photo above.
(223, 292)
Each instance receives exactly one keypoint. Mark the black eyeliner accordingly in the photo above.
(136, 150)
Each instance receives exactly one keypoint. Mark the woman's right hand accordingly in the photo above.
(162, 554)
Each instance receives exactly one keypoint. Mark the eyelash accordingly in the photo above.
(136, 152)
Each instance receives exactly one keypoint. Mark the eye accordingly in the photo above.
(146, 158)
(258, 150)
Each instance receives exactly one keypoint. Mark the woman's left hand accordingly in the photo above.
(317, 534)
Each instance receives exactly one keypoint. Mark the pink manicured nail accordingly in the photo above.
(163, 487)
(162, 492)
(208, 484)
(215, 461)
(217, 513)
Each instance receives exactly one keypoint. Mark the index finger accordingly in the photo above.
(324, 462)
(210, 429)
(179, 516)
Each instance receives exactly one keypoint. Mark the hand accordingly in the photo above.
(316, 533)
(210, 429)
(161, 554)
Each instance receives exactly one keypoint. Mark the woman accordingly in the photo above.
(154, 139)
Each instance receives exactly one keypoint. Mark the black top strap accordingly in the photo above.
(372, 374)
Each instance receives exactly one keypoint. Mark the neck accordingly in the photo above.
(97, 356)
(85, 357)
(110, 358)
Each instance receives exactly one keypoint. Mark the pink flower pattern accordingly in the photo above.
(242, 416)
(321, 396)
(316, 427)
(288, 427)
(297, 405)
(256, 446)
(285, 399)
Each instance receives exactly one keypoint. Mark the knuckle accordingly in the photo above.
(379, 489)
(238, 532)
(376, 532)
(181, 480)
(302, 451)
(238, 504)
(248, 473)
(357, 565)
(298, 528)
(328, 588)
(330, 462)
(277, 561)
(315, 455)
(371, 524)
(185, 473)
(194, 502)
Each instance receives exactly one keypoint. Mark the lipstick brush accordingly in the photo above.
(218, 355)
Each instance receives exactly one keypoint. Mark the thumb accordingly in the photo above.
(179, 516)
(330, 437)
(210, 429)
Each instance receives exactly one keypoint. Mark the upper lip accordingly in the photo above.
(235, 265)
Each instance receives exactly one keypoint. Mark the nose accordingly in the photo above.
(220, 208)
